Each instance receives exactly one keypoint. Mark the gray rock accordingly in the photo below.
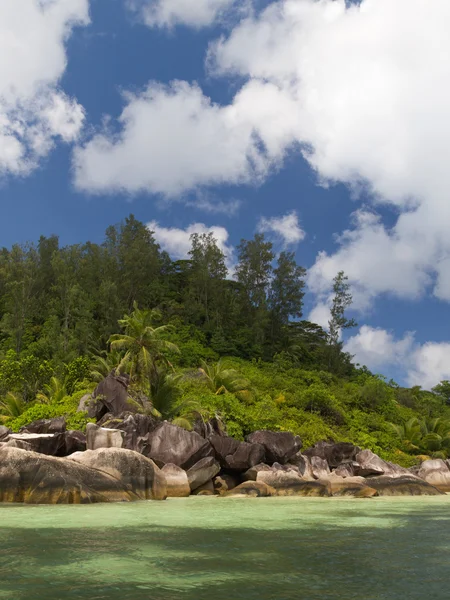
(75, 441)
(4, 432)
(289, 483)
(52, 444)
(279, 446)
(334, 454)
(171, 444)
(436, 473)
(403, 485)
(320, 468)
(254, 489)
(177, 481)
(370, 464)
(207, 489)
(57, 425)
(204, 470)
(100, 437)
(356, 487)
(225, 482)
(137, 474)
(303, 463)
(252, 473)
(234, 455)
(112, 393)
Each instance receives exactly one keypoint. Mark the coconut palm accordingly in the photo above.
(12, 405)
(222, 378)
(104, 363)
(144, 345)
(53, 392)
(409, 433)
(167, 403)
(429, 435)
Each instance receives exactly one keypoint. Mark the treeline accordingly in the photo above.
(59, 303)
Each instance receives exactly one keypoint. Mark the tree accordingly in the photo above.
(144, 345)
(166, 400)
(221, 378)
(342, 300)
(442, 390)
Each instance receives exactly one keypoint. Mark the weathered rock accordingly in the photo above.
(357, 487)
(224, 482)
(136, 428)
(171, 444)
(176, 480)
(112, 392)
(334, 454)
(436, 473)
(255, 489)
(320, 468)
(32, 478)
(207, 489)
(52, 444)
(208, 428)
(84, 403)
(20, 444)
(279, 446)
(252, 473)
(100, 437)
(138, 475)
(75, 441)
(303, 463)
(204, 470)
(403, 485)
(4, 432)
(289, 483)
(235, 455)
(371, 464)
(57, 425)
(347, 469)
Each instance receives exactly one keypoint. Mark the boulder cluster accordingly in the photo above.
(128, 456)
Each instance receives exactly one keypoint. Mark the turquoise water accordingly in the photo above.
(228, 548)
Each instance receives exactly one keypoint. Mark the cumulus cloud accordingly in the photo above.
(177, 242)
(168, 13)
(34, 111)
(418, 364)
(286, 228)
(174, 139)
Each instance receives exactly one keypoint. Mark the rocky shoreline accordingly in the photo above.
(129, 456)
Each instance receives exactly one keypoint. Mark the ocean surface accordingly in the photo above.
(228, 548)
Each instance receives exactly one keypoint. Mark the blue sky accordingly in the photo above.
(320, 122)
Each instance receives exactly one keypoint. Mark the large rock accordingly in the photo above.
(100, 437)
(303, 463)
(404, 485)
(4, 432)
(207, 489)
(356, 487)
(224, 483)
(287, 482)
(138, 475)
(57, 425)
(254, 489)
(171, 444)
(112, 393)
(252, 473)
(32, 478)
(235, 455)
(52, 444)
(369, 464)
(75, 441)
(319, 467)
(279, 446)
(204, 470)
(435, 472)
(136, 428)
(347, 469)
(334, 454)
(208, 428)
(176, 480)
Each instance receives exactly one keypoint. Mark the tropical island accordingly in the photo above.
(125, 375)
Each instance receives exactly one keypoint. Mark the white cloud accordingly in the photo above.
(174, 139)
(168, 13)
(213, 205)
(33, 110)
(286, 228)
(177, 242)
(419, 364)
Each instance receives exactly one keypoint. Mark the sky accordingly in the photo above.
(322, 123)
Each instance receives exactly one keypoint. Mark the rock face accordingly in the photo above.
(137, 474)
(405, 485)
(303, 463)
(171, 444)
(334, 454)
(235, 455)
(224, 483)
(320, 468)
(99, 437)
(369, 464)
(176, 480)
(437, 473)
(289, 483)
(255, 489)
(356, 487)
(112, 393)
(32, 478)
(279, 446)
(202, 472)
(136, 428)
(208, 428)
(75, 441)
(57, 425)
(4, 432)
(52, 444)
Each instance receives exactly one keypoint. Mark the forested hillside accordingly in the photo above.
(196, 343)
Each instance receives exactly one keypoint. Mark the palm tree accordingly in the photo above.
(144, 345)
(429, 435)
(53, 392)
(13, 405)
(221, 378)
(167, 404)
(102, 366)
(409, 433)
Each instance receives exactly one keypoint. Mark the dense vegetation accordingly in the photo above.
(196, 342)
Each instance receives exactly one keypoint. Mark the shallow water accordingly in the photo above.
(228, 548)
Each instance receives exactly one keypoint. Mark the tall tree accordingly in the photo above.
(342, 300)
(254, 268)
